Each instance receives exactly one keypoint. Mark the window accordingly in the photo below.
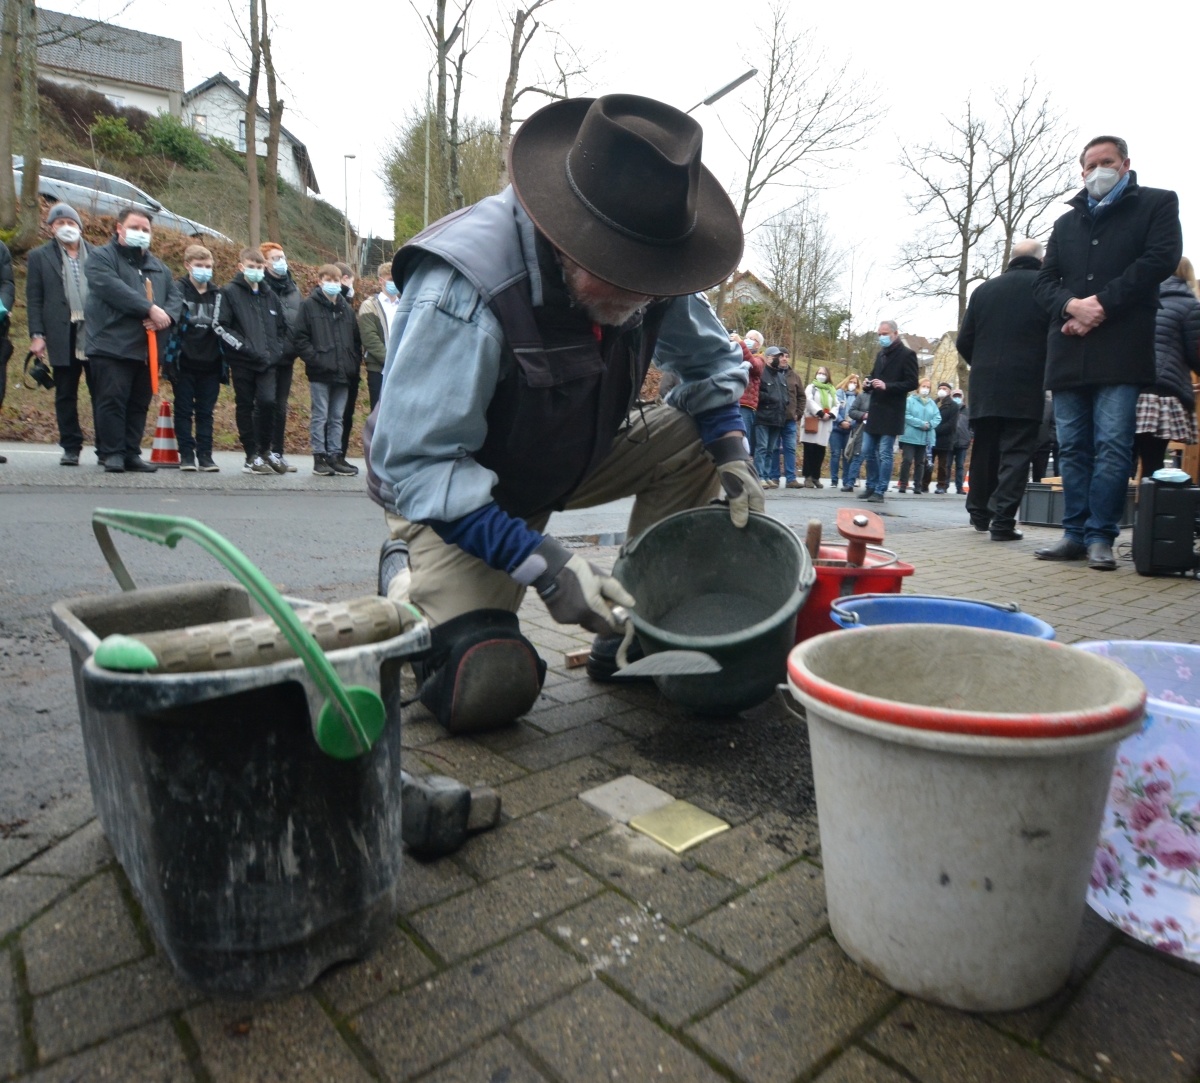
(200, 123)
(241, 143)
(115, 99)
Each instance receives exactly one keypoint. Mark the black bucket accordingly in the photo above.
(703, 584)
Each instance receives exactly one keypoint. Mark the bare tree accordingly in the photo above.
(453, 144)
(1032, 146)
(10, 31)
(953, 196)
(29, 218)
(274, 124)
(254, 215)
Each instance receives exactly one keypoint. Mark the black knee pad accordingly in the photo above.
(481, 673)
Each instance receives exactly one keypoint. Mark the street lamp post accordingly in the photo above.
(717, 95)
(346, 194)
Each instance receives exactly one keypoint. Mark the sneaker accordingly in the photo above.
(288, 467)
(69, 458)
(393, 559)
(207, 465)
(795, 483)
(276, 463)
(259, 466)
(339, 465)
(187, 461)
(248, 465)
(322, 466)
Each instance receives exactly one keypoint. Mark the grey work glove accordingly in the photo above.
(577, 592)
(741, 483)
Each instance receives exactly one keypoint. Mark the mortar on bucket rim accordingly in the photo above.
(958, 807)
(703, 584)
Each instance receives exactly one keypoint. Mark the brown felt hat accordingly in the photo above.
(616, 183)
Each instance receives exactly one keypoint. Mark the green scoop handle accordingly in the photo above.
(350, 719)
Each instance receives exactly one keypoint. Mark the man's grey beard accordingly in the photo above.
(608, 312)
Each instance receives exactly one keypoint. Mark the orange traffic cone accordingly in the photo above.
(165, 451)
(967, 482)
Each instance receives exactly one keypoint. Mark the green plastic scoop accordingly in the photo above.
(350, 719)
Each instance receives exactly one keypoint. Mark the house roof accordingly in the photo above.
(299, 150)
(89, 47)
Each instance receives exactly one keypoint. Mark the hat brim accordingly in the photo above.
(537, 169)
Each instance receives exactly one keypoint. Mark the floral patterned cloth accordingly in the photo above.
(1146, 874)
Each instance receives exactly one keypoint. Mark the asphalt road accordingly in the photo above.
(313, 538)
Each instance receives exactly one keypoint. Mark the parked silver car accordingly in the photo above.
(102, 193)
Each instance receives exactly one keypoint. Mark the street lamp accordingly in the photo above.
(346, 195)
(719, 94)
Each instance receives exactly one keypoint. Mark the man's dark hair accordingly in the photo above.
(1115, 140)
(125, 212)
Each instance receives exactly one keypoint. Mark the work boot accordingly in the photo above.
(322, 466)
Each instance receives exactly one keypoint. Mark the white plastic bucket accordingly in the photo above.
(960, 778)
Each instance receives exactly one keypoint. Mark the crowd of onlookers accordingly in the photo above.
(119, 319)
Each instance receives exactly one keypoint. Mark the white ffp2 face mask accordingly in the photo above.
(1100, 181)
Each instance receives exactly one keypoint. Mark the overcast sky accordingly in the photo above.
(353, 69)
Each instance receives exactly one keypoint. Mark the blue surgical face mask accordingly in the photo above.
(137, 238)
(391, 288)
(885, 340)
(332, 289)
(201, 275)
(279, 266)
(254, 274)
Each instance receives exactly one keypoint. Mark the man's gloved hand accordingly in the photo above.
(741, 483)
(577, 592)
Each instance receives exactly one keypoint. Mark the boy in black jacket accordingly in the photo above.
(248, 318)
(195, 356)
(327, 341)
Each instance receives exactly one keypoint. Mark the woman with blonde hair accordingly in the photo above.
(1166, 411)
(847, 392)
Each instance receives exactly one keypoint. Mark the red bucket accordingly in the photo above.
(880, 574)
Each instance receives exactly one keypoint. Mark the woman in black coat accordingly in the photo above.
(1167, 410)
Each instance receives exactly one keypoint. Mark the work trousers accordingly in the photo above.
(66, 401)
(122, 390)
(254, 409)
(1004, 447)
(659, 461)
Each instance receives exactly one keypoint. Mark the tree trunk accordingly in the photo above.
(29, 219)
(8, 110)
(275, 116)
(254, 229)
(456, 195)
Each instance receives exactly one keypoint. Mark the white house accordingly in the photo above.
(129, 67)
(216, 109)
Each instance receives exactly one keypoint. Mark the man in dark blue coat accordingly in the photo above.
(895, 374)
(1099, 285)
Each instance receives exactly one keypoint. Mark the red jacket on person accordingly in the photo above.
(756, 362)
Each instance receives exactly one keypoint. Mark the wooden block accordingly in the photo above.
(575, 659)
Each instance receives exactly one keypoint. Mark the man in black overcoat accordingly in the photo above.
(1003, 339)
(1099, 285)
(895, 374)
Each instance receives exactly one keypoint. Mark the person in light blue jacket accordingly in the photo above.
(920, 426)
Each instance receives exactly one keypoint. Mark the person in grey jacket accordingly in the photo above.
(55, 295)
(8, 298)
(131, 295)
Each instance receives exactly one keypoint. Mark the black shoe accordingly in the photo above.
(939, 492)
(866, 494)
(393, 559)
(847, 488)
(138, 465)
(1066, 549)
(602, 662)
(69, 458)
(1100, 557)
(1009, 534)
(187, 461)
(980, 526)
(321, 466)
(114, 464)
(207, 466)
(875, 498)
(338, 464)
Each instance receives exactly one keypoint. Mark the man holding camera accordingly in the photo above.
(895, 374)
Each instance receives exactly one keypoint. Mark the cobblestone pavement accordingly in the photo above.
(562, 947)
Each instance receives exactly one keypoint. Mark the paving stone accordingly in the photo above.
(518, 842)
(152, 1053)
(641, 868)
(638, 721)
(554, 717)
(23, 896)
(449, 1013)
(81, 1014)
(271, 1042)
(65, 816)
(855, 1066)
(626, 797)
(394, 965)
(577, 691)
(578, 741)
(574, 1036)
(466, 761)
(502, 907)
(819, 994)
(18, 848)
(758, 928)
(1138, 1011)
(509, 737)
(942, 1046)
(10, 1019)
(423, 883)
(82, 854)
(553, 785)
(496, 1061)
(756, 849)
(673, 977)
(83, 934)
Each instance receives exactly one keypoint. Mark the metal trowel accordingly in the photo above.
(664, 663)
